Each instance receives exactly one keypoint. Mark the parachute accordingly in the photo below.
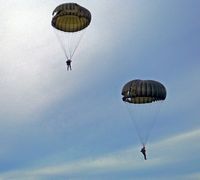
(69, 21)
(143, 98)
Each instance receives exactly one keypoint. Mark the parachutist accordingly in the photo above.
(68, 62)
(140, 95)
(68, 20)
(143, 151)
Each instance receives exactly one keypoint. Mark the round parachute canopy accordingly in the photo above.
(143, 91)
(70, 17)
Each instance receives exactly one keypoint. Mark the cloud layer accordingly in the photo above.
(163, 154)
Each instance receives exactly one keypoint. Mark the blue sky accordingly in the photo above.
(72, 125)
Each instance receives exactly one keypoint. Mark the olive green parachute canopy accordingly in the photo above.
(70, 17)
(143, 91)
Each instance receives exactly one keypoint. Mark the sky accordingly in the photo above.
(73, 125)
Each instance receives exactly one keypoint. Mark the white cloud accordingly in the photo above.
(193, 176)
(163, 153)
(32, 67)
(33, 76)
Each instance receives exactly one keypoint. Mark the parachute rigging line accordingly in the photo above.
(135, 125)
(77, 45)
(62, 44)
(152, 125)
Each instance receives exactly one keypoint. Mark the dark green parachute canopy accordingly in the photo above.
(143, 91)
(70, 17)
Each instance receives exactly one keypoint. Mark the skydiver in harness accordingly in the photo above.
(68, 62)
(143, 151)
